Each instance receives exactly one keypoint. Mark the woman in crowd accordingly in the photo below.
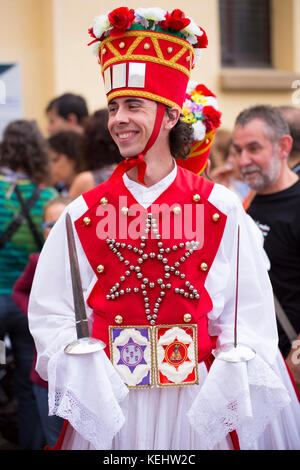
(65, 158)
(24, 191)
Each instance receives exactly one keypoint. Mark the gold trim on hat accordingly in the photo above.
(142, 94)
(129, 56)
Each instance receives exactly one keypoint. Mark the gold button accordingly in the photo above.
(170, 49)
(216, 217)
(122, 45)
(203, 267)
(86, 221)
(124, 210)
(177, 210)
(119, 319)
(100, 268)
(187, 317)
(146, 45)
(103, 200)
(103, 51)
(196, 197)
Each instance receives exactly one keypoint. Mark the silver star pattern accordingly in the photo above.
(143, 283)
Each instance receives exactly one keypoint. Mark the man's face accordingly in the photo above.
(257, 156)
(57, 123)
(130, 123)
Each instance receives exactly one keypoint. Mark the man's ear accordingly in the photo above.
(285, 144)
(171, 118)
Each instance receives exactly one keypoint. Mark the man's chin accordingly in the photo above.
(127, 154)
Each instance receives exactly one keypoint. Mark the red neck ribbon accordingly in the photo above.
(139, 161)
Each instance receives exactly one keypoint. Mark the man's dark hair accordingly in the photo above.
(24, 148)
(181, 138)
(69, 104)
(68, 143)
(275, 123)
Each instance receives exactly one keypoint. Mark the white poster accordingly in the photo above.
(10, 95)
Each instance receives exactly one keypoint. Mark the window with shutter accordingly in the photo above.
(245, 33)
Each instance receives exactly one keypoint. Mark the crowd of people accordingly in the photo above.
(258, 160)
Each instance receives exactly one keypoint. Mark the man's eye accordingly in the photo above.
(253, 149)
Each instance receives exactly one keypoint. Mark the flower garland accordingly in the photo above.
(200, 110)
(120, 20)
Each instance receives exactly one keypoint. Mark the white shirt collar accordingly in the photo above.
(144, 195)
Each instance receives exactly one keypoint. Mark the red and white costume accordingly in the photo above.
(255, 398)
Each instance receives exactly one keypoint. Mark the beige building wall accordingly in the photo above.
(49, 39)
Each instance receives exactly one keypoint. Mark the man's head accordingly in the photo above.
(262, 142)
(66, 112)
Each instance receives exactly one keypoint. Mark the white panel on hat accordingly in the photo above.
(119, 76)
(136, 75)
(107, 80)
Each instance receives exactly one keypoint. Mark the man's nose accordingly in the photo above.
(243, 158)
(121, 116)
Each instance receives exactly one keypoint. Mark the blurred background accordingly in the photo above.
(251, 58)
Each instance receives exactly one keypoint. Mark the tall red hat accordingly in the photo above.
(147, 52)
(200, 109)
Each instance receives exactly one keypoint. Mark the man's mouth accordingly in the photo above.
(126, 135)
(249, 172)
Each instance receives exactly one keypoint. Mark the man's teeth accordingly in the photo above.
(125, 135)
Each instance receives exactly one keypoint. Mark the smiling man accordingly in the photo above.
(263, 143)
(161, 301)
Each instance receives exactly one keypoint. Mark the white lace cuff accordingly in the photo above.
(86, 390)
(243, 396)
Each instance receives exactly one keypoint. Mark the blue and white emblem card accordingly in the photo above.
(132, 355)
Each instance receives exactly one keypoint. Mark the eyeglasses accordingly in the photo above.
(47, 225)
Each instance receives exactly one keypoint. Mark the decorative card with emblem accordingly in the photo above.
(176, 355)
(132, 356)
(168, 352)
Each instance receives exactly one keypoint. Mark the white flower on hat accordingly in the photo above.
(101, 24)
(198, 54)
(144, 15)
(211, 101)
(191, 86)
(95, 48)
(199, 130)
(192, 29)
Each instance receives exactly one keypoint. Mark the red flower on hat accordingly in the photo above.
(204, 90)
(121, 19)
(175, 20)
(91, 33)
(202, 40)
(212, 117)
